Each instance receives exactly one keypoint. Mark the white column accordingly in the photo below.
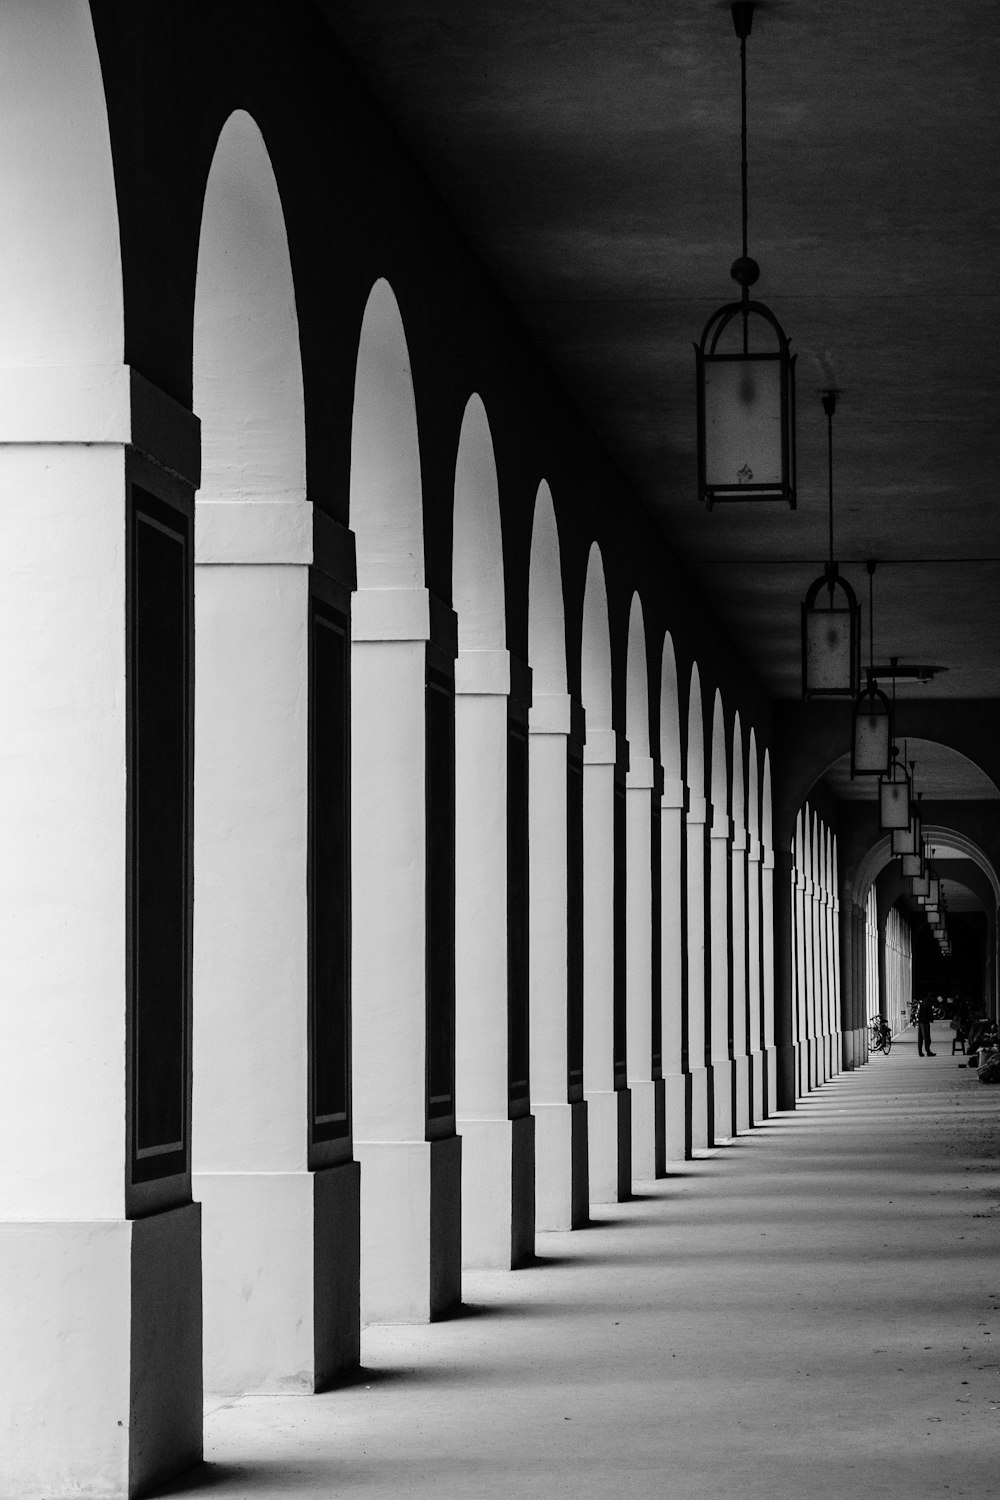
(755, 1038)
(672, 939)
(609, 1134)
(100, 1379)
(722, 1064)
(561, 1170)
(410, 1162)
(640, 781)
(767, 923)
(696, 816)
(497, 1145)
(281, 1240)
(741, 1046)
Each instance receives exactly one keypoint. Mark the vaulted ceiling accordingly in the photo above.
(590, 151)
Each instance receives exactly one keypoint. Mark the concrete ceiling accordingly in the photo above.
(590, 151)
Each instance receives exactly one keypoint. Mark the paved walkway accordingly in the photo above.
(812, 1311)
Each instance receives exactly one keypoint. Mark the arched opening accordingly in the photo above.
(698, 978)
(492, 694)
(555, 884)
(403, 856)
(605, 1062)
(642, 921)
(673, 911)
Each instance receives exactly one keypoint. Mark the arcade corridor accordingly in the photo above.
(810, 1313)
(452, 844)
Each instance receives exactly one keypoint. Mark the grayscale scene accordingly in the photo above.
(499, 750)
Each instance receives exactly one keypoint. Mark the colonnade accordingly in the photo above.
(816, 944)
(897, 989)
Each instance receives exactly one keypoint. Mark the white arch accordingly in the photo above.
(880, 855)
(595, 673)
(386, 511)
(61, 295)
(738, 795)
(247, 364)
(546, 610)
(637, 683)
(670, 726)
(477, 547)
(695, 763)
(720, 758)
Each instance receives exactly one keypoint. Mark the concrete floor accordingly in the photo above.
(809, 1311)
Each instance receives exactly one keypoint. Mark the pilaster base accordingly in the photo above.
(698, 1107)
(609, 1127)
(411, 1229)
(282, 1260)
(644, 1132)
(101, 1387)
(758, 1090)
(675, 1136)
(498, 1192)
(562, 1173)
(723, 1124)
(741, 1084)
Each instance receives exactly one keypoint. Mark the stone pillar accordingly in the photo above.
(402, 839)
(604, 1067)
(755, 1034)
(555, 957)
(768, 983)
(673, 982)
(491, 1019)
(100, 1244)
(740, 980)
(721, 999)
(698, 971)
(784, 896)
(273, 1165)
(640, 786)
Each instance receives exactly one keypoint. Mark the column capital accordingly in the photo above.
(605, 747)
(642, 771)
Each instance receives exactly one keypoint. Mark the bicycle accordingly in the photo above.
(881, 1036)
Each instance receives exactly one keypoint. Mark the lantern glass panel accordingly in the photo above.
(743, 427)
(935, 889)
(912, 865)
(894, 807)
(829, 651)
(871, 743)
(907, 840)
(920, 886)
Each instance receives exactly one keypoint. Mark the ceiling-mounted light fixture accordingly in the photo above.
(746, 375)
(871, 740)
(830, 623)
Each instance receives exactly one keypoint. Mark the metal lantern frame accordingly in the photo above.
(725, 377)
(912, 865)
(920, 886)
(708, 359)
(871, 756)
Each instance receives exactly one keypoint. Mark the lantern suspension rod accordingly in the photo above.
(870, 565)
(830, 406)
(745, 271)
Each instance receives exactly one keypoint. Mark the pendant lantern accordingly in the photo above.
(909, 840)
(830, 613)
(871, 740)
(745, 375)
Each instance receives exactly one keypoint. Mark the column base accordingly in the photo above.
(675, 1117)
(411, 1229)
(282, 1260)
(102, 1388)
(644, 1129)
(723, 1122)
(498, 1192)
(562, 1173)
(609, 1127)
(697, 1083)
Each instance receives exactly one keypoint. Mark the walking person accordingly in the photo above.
(925, 1015)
